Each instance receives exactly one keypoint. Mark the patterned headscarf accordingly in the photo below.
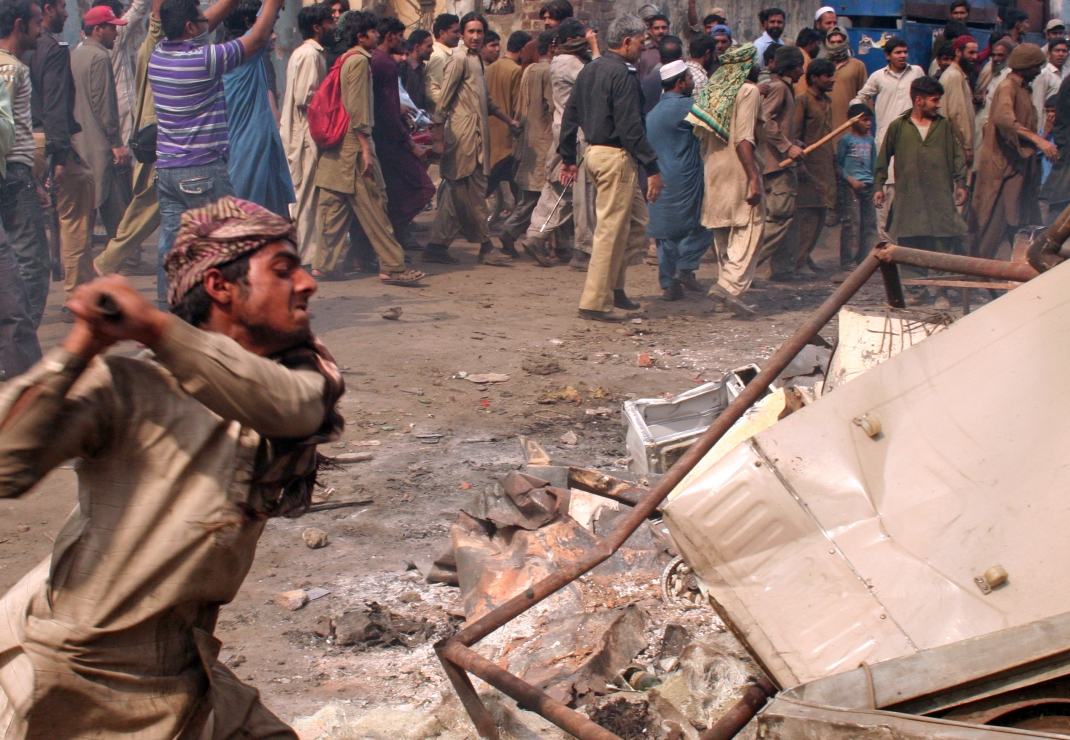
(221, 232)
(840, 50)
(715, 104)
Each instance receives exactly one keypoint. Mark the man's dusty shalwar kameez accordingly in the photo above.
(464, 108)
(737, 226)
(111, 637)
(304, 73)
(1006, 196)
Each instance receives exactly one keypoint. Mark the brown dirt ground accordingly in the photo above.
(401, 378)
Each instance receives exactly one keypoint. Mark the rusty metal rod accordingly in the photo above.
(893, 285)
(527, 697)
(742, 711)
(466, 692)
(607, 486)
(626, 526)
(996, 269)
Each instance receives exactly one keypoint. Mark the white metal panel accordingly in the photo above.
(970, 470)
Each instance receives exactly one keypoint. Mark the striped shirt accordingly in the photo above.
(16, 77)
(191, 109)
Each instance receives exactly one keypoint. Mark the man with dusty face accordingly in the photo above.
(967, 57)
(422, 52)
(55, 16)
(234, 425)
(659, 29)
(826, 22)
(774, 26)
(722, 43)
(492, 51)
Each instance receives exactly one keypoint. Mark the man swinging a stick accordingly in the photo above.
(182, 457)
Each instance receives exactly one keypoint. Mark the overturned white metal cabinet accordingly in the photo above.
(827, 545)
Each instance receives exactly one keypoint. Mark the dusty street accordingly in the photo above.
(405, 378)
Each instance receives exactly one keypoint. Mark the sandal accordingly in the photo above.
(408, 278)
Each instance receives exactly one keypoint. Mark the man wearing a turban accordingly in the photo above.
(728, 120)
(183, 456)
(1008, 176)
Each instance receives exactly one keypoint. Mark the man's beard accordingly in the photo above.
(967, 67)
(267, 336)
(775, 33)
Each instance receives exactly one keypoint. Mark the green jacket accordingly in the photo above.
(926, 175)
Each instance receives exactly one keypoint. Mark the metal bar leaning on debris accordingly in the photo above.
(825, 139)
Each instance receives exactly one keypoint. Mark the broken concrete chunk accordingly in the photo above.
(315, 538)
(392, 314)
(569, 438)
(410, 597)
(293, 600)
(488, 378)
(541, 365)
(379, 627)
(534, 454)
(674, 641)
(348, 458)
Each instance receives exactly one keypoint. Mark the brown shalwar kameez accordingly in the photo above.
(737, 225)
(1008, 176)
(536, 113)
(111, 638)
(464, 107)
(817, 187)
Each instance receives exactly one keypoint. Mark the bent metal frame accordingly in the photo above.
(456, 653)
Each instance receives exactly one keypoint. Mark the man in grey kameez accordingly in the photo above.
(462, 140)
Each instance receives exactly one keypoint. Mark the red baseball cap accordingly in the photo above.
(101, 14)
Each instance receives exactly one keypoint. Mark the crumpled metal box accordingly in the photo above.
(661, 429)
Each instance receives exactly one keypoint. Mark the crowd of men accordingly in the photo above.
(558, 146)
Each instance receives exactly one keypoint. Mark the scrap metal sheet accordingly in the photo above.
(827, 548)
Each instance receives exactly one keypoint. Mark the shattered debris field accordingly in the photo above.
(336, 622)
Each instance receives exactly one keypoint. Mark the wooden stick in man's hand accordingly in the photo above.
(825, 139)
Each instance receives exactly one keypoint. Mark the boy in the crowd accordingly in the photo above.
(856, 156)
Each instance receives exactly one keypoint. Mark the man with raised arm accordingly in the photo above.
(192, 140)
(183, 456)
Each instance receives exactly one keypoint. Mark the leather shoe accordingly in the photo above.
(673, 293)
(607, 316)
(687, 279)
(622, 301)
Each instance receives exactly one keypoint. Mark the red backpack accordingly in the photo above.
(328, 120)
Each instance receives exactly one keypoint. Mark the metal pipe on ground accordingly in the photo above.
(742, 712)
(527, 696)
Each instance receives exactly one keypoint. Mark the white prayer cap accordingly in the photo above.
(672, 69)
(822, 10)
